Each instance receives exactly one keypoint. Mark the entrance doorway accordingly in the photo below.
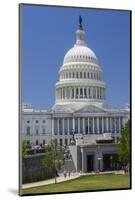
(110, 162)
(90, 163)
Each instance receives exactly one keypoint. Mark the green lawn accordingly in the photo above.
(83, 183)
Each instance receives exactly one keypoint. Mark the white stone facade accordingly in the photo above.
(80, 105)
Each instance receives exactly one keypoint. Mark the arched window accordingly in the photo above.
(85, 95)
(28, 130)
(81, 93)
(88, 75)
(84, 74)
(72, 93)
(76, 74)
(76, 92)
(89, 93)
(73, 75)
(80, 74)
(91, 75)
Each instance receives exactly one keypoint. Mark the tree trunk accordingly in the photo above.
(55, 177)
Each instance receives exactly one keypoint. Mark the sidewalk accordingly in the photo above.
(50, 181)
(62, 179)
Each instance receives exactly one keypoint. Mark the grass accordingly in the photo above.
(84, 183)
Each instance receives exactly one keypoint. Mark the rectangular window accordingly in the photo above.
(43, 131)
(61, 142)
(66, 141)
(37, 132)
(36, 142)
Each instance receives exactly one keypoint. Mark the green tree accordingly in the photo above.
(124, 144)
(25, 147)
(54, 157)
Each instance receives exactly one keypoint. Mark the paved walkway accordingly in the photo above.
(61, 178)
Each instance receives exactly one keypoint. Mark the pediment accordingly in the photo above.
(90, 109)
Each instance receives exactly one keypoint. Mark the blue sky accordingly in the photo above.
(49, 32)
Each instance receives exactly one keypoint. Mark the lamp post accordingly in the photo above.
(111, 161)
(99, 159)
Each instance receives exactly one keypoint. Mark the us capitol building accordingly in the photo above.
(80, 111)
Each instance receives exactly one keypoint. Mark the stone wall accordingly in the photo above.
(33, 169)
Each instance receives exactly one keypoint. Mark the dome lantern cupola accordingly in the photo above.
(80, 34)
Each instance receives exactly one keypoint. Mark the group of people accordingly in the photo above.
(125, 168)
(67, 154)
(66, 173)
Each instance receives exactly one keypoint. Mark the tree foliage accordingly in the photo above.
(25, 147)
(124, 144)
(53, 157)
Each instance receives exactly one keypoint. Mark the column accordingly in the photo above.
(93, 127)
(106, 124)
(87, 92)
(92, 92)
(115, 125)
(98, 125)
(62, 94)
(78, 125)
(102, 124)
(73, 125)
(58, 129)
(96, 92)
(82, 151)
(70, 92)
(78, 92)
(52, 126)
(83, 92)
(119, 125)
(68, 132)
(111, 124)
(115, 130)
(83, 125)
(74, 92)
(63, 126)
(88, 125)
(122, 122)
(58, 94)
(104, 93)
(65, 92)
(101, 93)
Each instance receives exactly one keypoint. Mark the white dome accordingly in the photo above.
(80, 54)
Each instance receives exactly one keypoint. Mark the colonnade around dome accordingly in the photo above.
(74, 93)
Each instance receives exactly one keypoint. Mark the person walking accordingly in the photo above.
(65, 174)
